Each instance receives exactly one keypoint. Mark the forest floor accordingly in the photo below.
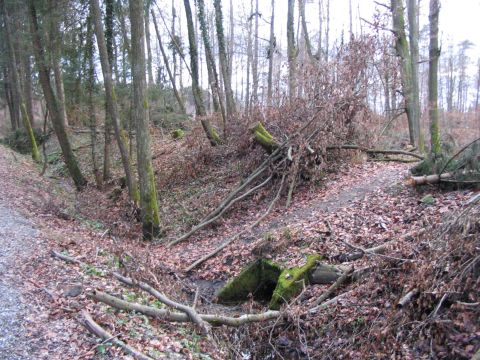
(363, 204)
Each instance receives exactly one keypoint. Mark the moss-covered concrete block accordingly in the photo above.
(258, 278)
(178, 134)
(290, 282)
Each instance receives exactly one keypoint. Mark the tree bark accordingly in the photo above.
(434, 54)
(254, 100)
(148, 193)
(308, 43)
(401, 46)
(147, 41)
(167, 66)
(212, 135)
(111, 101)
(414, 54)
(218, 104)
(271, 54)
(291, 50)
(222, 53)
(52, 101)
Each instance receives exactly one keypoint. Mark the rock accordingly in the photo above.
(73, 291)
(428, 200)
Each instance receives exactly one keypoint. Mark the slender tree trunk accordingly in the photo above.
(318, 55)
(249, 60)
(167, 66)
(255, 59)
(218, 104)
(308, 44)
(148, 193)
(413, 36)
(147, 41)
(27, 65)
(109, 38)
(401, 46)
(222, 53)
(434, 54)
(291, 50)
(271, 53)
(55, 40)
(89, 55)
(212, 135)
(16, 82)
(327, 32)
(52, 102)
(111, 101)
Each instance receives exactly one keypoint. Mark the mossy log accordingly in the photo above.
(291, 282)
(264, 138)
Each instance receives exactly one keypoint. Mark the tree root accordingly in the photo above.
(97, 330)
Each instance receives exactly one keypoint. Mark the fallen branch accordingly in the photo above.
(332, 288)
(191, 312)
(66, 258)
(328, 303)
(97, 330)
(407, 298)
(376, 151)
(221, 211)
(237, 235)
(167, 315)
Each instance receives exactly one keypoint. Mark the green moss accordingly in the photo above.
(178, 134)
(259, 278)
(264, 138)
(290, 282)
(151, 217)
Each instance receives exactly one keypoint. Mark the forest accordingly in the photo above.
(281, 179)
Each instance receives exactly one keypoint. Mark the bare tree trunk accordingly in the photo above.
(401, 46)
(218, 104)
(52, 102)
(291, 50)
(167, 66)
(197, 92)
(111, 102)
(308, 44)
(147, 40)
(249, 60)
(108, 121)
(434, 54)
(16, 82)
(271, 53)
(413, 36)
(89, 54)
(255, 59)
(148, 193)
(327, 31)
(222, 53)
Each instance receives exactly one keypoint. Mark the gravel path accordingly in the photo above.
(15, 234)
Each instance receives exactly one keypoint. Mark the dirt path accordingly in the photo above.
(343, 193)
(15, 234)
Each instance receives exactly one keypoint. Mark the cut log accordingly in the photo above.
(324, 274)
(429, 179)
(264, 138)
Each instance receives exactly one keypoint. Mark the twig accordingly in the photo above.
(237, 235)
(66, 258)
(96, 329)
(191, 312)
(332, 288)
